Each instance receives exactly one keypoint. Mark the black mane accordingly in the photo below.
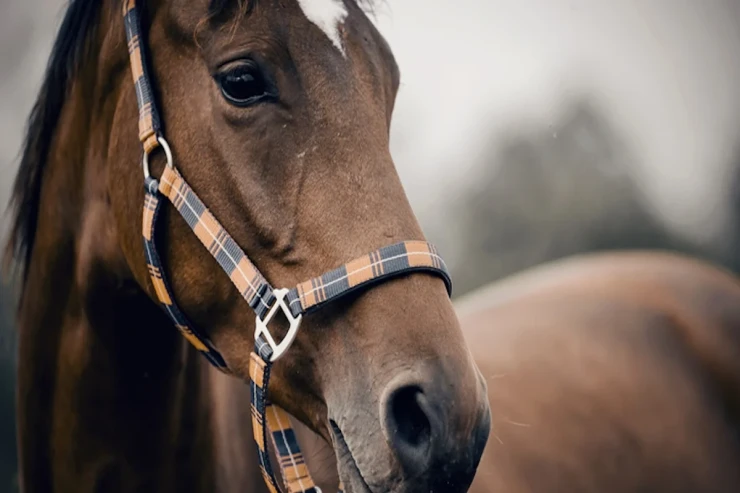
(70, 48)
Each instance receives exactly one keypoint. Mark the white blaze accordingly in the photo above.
(327, 15)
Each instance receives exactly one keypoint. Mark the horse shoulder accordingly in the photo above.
(599, 368)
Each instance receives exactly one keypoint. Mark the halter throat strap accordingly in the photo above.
(266, 301)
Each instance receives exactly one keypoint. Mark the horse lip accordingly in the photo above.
(343, 451)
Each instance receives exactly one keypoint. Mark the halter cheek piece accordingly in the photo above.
(382, 264)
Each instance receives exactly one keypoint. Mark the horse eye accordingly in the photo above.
(244, 84)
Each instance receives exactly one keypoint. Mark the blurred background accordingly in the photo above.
(524, 131)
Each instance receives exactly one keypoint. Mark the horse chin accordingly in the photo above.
(349, 472)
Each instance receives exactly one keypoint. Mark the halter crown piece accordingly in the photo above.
(382, 264)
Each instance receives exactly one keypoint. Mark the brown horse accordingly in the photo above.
(278, 116)
(613, 372)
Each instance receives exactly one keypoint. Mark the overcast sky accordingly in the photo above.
(668, 71)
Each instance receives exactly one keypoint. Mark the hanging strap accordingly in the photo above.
(267, 416)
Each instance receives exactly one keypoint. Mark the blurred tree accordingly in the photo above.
(550, 192)
(732, 238)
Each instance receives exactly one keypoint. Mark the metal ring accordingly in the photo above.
(167, 151)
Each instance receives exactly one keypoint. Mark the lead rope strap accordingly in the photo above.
(264, 416)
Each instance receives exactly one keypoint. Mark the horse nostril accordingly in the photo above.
(409, 427)
(411, 421)
(435, 434)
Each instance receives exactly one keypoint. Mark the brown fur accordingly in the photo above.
(110, 398)
(613, 372)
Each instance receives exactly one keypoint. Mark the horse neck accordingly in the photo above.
(110, 398)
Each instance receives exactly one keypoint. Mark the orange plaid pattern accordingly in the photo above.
(388, 261)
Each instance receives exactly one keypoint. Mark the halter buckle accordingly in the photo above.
(167, 152)
(278, 350)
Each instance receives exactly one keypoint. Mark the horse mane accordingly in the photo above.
(69, 50)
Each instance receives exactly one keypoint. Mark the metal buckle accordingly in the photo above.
(278, 350)
(167, 151)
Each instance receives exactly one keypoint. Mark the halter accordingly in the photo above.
(266, 301)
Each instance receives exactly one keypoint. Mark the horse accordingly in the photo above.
(266, 125)
(614, 372)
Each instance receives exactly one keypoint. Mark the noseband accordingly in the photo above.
(266, 301)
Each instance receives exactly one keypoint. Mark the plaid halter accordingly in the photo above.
(266, 301)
